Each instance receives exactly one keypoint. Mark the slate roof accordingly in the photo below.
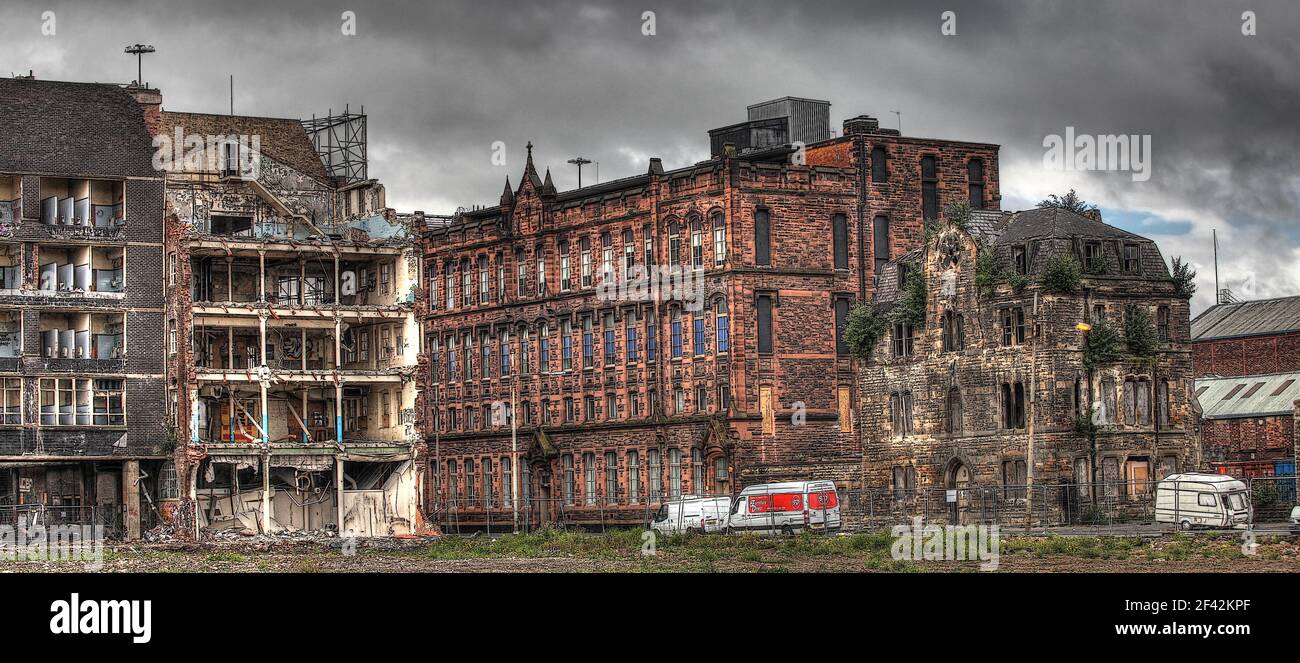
(1248, 395)
(72, 129)
(1264, 316)
(282, 139)
(1053, 222)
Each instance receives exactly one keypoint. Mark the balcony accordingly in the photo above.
(68, 340)
(82, 207)
(11, 203)
(11, 340)
(298, 283)
(81, 269)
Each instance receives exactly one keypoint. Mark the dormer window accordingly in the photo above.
(1091, 256)
(1020, 259)
(1131, 253)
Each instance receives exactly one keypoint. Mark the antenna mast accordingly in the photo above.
(139, 50)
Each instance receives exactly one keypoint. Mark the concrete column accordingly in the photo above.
(266, 492)
(338, 382)
(338, 488)
(131, 498)
(266, 423)
(261, 276)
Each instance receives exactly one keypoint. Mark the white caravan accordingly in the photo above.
(1202, 500)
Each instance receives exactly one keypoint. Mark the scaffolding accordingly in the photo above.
(340, 140)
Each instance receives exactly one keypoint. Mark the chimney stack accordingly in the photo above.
(150, 100)
(861, 125)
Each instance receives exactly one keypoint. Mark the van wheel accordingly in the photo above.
(692, 531)
(1185, 525)
(786, 530)
(729, 530)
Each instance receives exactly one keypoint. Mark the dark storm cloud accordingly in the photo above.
(442, 81)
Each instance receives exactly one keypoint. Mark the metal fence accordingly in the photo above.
(40, 515)
(1037, 507)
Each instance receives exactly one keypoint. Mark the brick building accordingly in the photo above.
(1247, 361)
(985, 383)
(620, 400)
(292, 341)
(1247, 338)
(81, 308)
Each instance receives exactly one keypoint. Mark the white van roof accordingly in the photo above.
(786, 486)
(1200, 477)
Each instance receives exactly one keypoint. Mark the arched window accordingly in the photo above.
(719, 238)
(954, 332)
(674, 243)
(697, 243)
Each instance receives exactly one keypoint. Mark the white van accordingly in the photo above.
(786, 508)
(692, 514)
(1202, 500)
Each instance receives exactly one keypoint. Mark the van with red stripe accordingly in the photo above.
(786, 508)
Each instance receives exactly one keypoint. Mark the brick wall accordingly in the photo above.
(1254, 355)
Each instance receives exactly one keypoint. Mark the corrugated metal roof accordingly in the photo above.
(1248, 395)
(1264, 316)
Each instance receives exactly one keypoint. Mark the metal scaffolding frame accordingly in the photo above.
(340, 140)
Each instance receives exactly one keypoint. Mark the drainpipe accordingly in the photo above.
(1032, 409)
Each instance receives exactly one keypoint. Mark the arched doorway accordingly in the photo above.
(957, 478)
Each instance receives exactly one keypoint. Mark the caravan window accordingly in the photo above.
(1206, 499)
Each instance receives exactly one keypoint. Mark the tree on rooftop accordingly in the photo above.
(1070, 201)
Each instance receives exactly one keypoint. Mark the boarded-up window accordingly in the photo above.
(953, 414)
(975, 183)
(765, 408)
(840, 238)
(1014, 479)
(763, 306)
(1139, 476)
(1110, 476)
(762, 237)
(929, 188)
(846, 410)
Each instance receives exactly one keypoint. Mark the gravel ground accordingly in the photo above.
(593, 553)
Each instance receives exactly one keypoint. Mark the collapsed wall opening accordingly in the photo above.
(303, 492)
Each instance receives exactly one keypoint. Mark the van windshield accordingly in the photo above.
(1236, 501)
(662, 514)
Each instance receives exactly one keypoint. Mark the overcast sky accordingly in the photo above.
(441, 82)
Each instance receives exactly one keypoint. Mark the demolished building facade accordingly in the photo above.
(291, 335)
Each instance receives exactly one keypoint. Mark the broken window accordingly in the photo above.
(1162, 324)
(1092, 258)
(1013, 405)
(1019, 259)
(1139, 476)
(880, 242)
(1013, 326)
(1131, 253)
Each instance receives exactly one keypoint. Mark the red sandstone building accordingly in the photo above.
(620, 401)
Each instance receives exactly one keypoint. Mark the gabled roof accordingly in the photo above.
(1264, 316)
(93, 129)
(1053, 222)
(282, 139)
(1248, 395)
